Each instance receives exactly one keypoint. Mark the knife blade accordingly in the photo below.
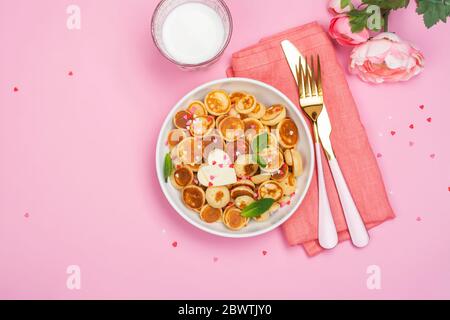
(293, 56)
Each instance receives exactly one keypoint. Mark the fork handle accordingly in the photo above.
(328, 238)
(355, 224)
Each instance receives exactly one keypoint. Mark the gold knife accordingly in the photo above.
(356, 227)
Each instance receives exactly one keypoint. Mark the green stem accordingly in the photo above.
(386, 18)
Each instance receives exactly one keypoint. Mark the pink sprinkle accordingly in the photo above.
(188, 122)
(215, 259)
(166, 143)
(432, 156)
(224, 157)
(70, 73)
(421, 107)
(411, 126)
(214, 162)
(211, 177)
(289, 202)
(221, 165)
(231, 165)
(411, 143)
(282, 204)
(15, 89)
(185, 117)
(418, 219)
(393, 133)
(210, 184)
(264, 252)
(26, 215)
(174, 244)
(292, 194)
(379, 155)
(429, 119)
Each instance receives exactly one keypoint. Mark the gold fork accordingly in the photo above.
(311, 101)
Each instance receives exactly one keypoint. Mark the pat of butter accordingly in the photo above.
(218, 156)
(216, 176)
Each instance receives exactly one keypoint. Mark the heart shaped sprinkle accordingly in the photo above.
(26, 215)
(411, 126)
(214, 162)
(429, 119)
(393, 133)
(418, 219)
(70, 73)
(231, 165)
(174, 244)
(221, 165)
(215, 259)
(421, 107)
(379, 155)
(15, 89)
(411, 143)
(432, 156)
(264, 252)
(211, 177)
(210, 184)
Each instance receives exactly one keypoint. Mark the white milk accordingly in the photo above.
(193, 33)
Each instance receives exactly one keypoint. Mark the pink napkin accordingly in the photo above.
(265, 62)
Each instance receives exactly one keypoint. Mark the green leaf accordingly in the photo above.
(257, 208)
(388, 4)
(260, 142)
(260, 161)
(358, 20)
(345, 3)
(168, 166)
(433, 11)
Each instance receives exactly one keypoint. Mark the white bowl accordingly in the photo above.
(267, 95)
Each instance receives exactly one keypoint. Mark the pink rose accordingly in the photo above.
(334, 6)
(341, 31)
(386, 58)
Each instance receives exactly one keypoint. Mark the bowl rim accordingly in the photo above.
(292, 107)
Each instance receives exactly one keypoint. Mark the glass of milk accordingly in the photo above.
(192, 33)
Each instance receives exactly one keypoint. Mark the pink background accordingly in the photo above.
(78, 184)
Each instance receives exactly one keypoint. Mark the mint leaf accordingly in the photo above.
(433, 11)
(388, 4)
(260, 161)
(257, 208)
(260, 142)
(167, 166)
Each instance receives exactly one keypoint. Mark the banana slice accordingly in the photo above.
(287, 133)
(272, 158)
(210, 214)
(258, 112)
(242, 201)
(219, 157)
(197, 108)
(237, 148)
(274, 115)
(193, 197)
(189, 150)
(244, 182)
(242, 191)
(233, 220)
(275, 206)
(252, 127)
(202, 125)
(216, 176)
(182, 119)
(235, 97)
(270, 189)
(294, 159)
(231, 128)
(217, 197)
(181, 177)
(245, 166)
(246, 104)
(260, 178)
(217, 102)
(289, 184)
(281, 173)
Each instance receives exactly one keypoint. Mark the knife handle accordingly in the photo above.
(328, 238)
(355, 224)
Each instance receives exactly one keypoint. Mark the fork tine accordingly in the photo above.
(300, 79)
(313, 77)
(307, 79)
(319, 77)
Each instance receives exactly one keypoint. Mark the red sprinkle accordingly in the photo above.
(393, 133)
(221, 165)
(210, 184)
(429, 119)
(26, 215)
(231, 165)
(264, 252)
(411, 143)
(411, 126)
(174, 244)
(379, 155)
(211, 177)
(15, 89)
(214, 162)
(432, 156)
(421, 107)
(418, 219)
(70, 73)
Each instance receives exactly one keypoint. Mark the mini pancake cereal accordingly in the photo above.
(228, 151)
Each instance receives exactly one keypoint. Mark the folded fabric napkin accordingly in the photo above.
(265, 62)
